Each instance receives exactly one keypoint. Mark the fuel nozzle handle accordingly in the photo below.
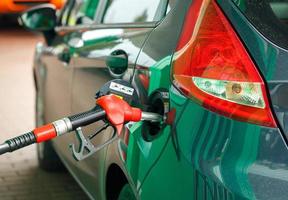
(50, 131)
(110, 107)
(118, 112)
(86, 118)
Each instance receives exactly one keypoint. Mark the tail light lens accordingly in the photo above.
(212, 67)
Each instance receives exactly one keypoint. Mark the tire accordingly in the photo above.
(126, 193)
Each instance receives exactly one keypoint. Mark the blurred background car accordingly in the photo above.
(17, 6)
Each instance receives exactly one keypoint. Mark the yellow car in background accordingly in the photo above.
(16, 6)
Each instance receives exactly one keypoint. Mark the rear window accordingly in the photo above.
(270, 17)
(133, 11)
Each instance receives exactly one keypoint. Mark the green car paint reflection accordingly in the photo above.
(210, 158)
(142, 154)
(217, 150)
(83, 10)
(214, 153)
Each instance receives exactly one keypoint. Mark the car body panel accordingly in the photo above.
(55, 77)
(271, 59)
(231, 159)
(90, 73)
(152, 67)
(220, 158)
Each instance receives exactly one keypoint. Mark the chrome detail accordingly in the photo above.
(89, 27)
(68, 123)
(62, 126)
(153, 117)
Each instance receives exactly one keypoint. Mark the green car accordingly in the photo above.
(216, 68)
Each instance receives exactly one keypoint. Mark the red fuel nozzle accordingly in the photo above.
(118, 111)
(113, 108)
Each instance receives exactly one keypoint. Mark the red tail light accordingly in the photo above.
(212, 67)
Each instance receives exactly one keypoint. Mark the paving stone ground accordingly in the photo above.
(20, 177)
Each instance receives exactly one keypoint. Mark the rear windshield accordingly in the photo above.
(270, 17)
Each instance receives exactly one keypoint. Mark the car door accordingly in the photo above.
(120, 33)
(56, 77)
(57, 71)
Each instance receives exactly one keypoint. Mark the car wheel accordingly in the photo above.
(126, 193)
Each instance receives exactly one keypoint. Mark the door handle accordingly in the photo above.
(117, 63)
(60, 51)
(64, 56)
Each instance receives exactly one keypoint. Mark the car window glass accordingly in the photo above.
(270, 17)
(83, 12)
(78, 12)
(129, 11)
(65, 12)
(170, 5)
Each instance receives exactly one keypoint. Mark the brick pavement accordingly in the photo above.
(20, 177)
